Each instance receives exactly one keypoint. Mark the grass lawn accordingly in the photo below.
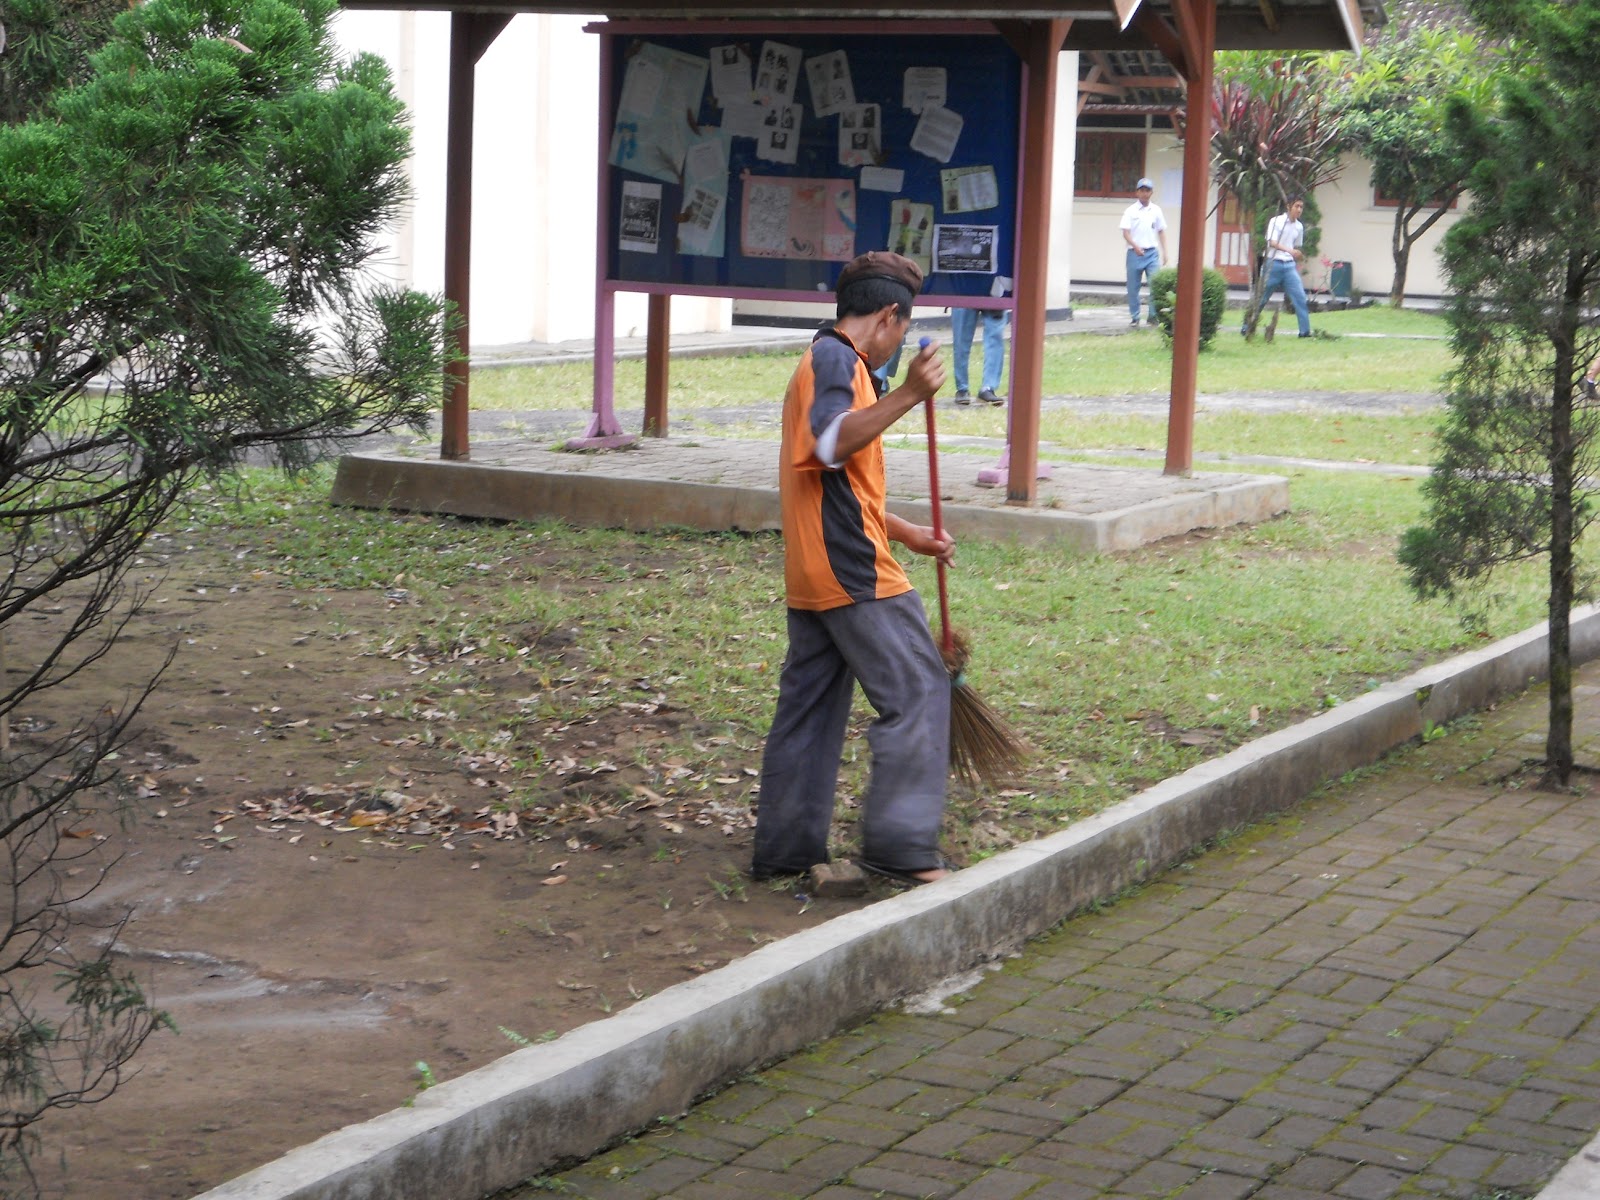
(1076, 365)
(1120, 669)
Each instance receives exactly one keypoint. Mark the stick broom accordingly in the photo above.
(983, 749)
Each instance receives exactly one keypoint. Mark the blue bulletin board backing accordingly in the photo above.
(696, 203)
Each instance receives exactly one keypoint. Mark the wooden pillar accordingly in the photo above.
(1039, 45)
(1197, 31)
(471, 34)
(657, 355)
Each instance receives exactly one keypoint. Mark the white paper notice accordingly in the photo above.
(706, 160)
(742, 119)
(641, 88)
(831, 86)
(938, 131)
(923, 86)
(780, 135)
(882, 179)
(777, 72)
(969, 189)
(730, 75)
(859, 141)
(700, 217)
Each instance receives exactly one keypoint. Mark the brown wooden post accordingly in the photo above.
(471, 33)
(657, 355)
(1039, 45)
(1197, 29)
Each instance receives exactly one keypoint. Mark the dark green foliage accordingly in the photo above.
(180, 241)
(1517, 453)
(1213, 301)
(48, 44)
(1390, 105)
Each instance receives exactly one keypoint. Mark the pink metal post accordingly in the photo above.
(604, 432)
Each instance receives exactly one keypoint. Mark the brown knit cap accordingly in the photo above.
(881, 264)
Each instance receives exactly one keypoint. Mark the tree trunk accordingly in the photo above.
(1558, 739)
(1401, 246)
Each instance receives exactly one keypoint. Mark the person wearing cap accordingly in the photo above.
(1145, 231)
(852, 613)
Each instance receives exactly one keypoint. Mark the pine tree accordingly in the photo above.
(182, 233)
(1513, 480)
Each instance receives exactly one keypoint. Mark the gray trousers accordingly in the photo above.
(887, 647)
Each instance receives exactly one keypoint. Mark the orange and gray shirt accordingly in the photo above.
(836, 542)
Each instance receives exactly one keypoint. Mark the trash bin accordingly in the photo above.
(1339, 280)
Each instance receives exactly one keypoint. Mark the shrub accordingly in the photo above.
(1213, 300)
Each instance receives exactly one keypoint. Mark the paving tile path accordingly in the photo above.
(1391, 991)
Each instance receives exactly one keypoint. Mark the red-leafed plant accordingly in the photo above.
(1270, 139)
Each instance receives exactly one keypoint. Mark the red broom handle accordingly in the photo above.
(946, 634)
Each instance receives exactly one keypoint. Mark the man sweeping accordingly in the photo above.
(852, 613)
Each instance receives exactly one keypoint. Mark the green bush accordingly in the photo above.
(1213, 300)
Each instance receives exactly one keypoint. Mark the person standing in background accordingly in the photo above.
(1144, 228)
(963, 323)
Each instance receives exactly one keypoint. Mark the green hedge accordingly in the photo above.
(1213, 300)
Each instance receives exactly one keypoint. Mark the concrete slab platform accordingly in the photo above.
(718, 484)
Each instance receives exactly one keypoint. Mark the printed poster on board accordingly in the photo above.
(966, 249)
(799, 218)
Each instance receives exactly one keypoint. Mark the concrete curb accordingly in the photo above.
(495, 1127)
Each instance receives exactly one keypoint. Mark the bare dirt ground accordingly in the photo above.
(323, 896)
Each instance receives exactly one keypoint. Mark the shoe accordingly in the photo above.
(1244, 331)
(1133, 324)
(1305, 335)
(988, 397)
(963, 397)
(1590, 391)
(908, 878)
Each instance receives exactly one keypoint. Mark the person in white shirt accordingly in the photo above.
(1145, 231)
(1285, 236)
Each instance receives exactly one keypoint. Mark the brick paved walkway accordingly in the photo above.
(1392, 991)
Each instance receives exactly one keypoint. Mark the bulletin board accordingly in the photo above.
(753, 163)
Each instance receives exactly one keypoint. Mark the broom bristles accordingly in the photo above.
(983, 748)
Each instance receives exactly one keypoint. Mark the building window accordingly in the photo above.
(1108, 164)
(1381, 199)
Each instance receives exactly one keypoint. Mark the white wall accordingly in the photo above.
(1096, 222)
(1356, 231)
(534, 186)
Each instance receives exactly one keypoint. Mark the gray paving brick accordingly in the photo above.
(999, 1184)
(1316, 1173)
(1158, 1178)
(834, 1160)
(780, 1152)
(1393, 994)
(901, 1174)
(1371, 1183)
(1221, 1185)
